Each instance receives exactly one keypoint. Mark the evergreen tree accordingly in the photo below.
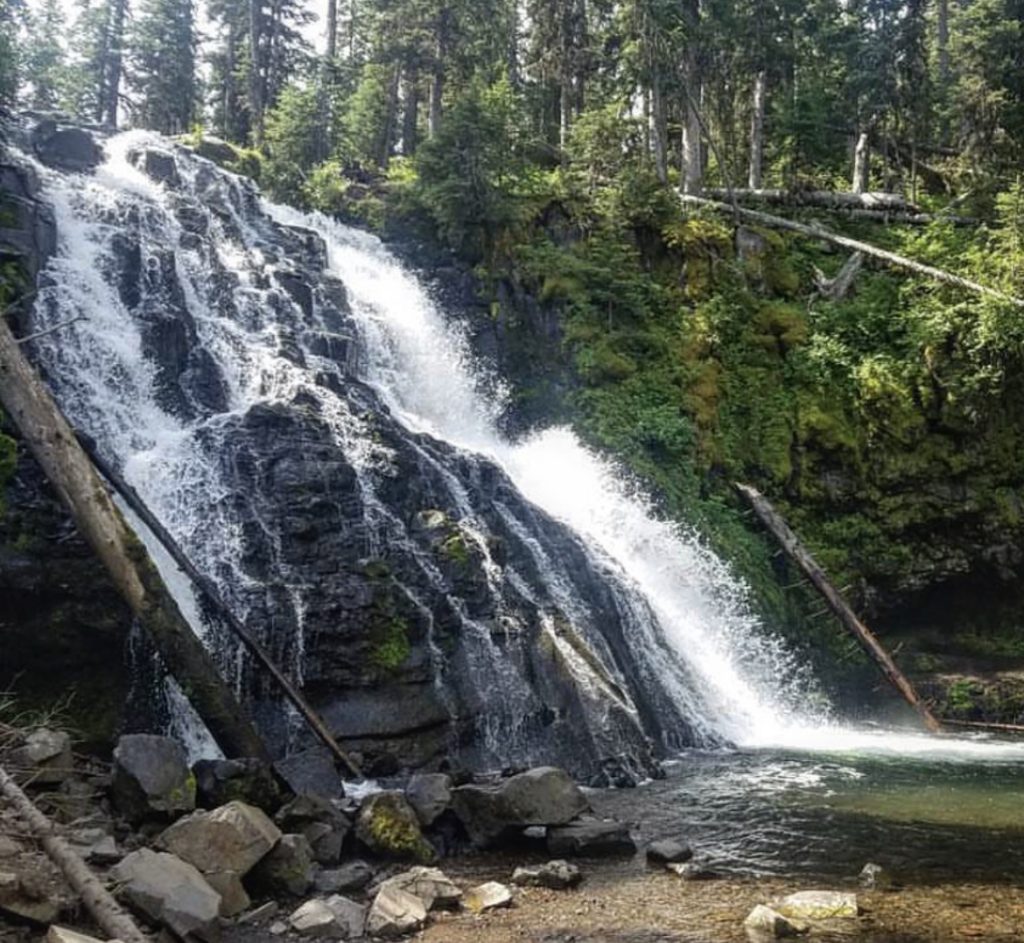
(161, 65)
(44, 60)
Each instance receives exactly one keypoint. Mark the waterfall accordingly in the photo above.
(294, 408)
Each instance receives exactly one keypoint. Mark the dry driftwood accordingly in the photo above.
(835, 289)
(51, 441)
(798, 553)
(815, 232)
(111, 918)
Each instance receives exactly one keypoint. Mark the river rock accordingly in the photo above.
(288, 869)
(170, 891)
(157, 164)
(488, 896)
(557, 875)
(46, 756)
(394, 913)
(591, 839)
(336, 917)
(430, 885)
(818, 905)
(763, 921)
(232, 838)
(20, 898)
(72, 149)
(691, 870)
(542, 796)
(350, 877)
(151, 778)
(250, 780)
(389, 827)
(875, 877)
(668, 852)
(324, 825)
(429, 794)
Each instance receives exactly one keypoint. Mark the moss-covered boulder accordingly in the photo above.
(389, 827)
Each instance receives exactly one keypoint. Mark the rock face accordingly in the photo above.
(170, 891)
(388, 826)
(541, 796)
(151, 777)
(591, 839)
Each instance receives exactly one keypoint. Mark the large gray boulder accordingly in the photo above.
(169, 891)
(429, 794)
(320, 821)
(590, 838)
(221, 781)
(72, 149)
(389, 827)
(151, 778)
(542, 796)
(335, 917)
(232, 838)
(394, 913)
(430, 885)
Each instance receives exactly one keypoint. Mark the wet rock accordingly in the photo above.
(556, 875)
(170, 891)
(46, 756)
(692, 871)
(875, 878)
(72, 149)
(488, 896)
(590, 839)
(158, 165)
(249, 780)
(542, 796)
(232, 838)
(215, 149)
(288, 869)
(321, 822)
(818, 905)
(389, 827)
(233, 896)
(763, 921)
(429, 794)
(311, 772)
(668, 852)
(151, 778)
(430, 885)
(350, 877)
(394, 913)
(20, 898)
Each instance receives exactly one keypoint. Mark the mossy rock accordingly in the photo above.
(388, 826)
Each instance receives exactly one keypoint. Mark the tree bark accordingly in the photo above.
(861, 163)
(107, 913)
(942, 42)
(410, 110)
(756, 170)
(52, 442)
(798, 553)
(323, 104)
(112, 70)
(829, 199)
(437, 73)
(255, 72)
(659, 129)
(812, 232)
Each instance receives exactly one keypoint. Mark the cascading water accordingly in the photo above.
(297, 413)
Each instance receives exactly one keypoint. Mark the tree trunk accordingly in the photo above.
(437, 73)
(565, 72)
(106, 911)
(387, 138)
(324, 134)
(410, 110)
(255, 72)
(798, 553)
(51, 441)
(942, 43)
(659, 129)
(692, 151)
(861, 163)
(755, 173)
(228, 90)
(112, 91)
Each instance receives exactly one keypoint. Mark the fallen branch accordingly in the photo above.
(813, 232)
(207, 587)
(49, 330)
(106, 911)
(865, 637)
(836, 289)
(829, 199)
(984, 725)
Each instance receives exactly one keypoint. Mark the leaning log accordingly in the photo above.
(107, 913)
(50, 439)
(867, 639)
(827, 199)
(815, 232)
(207, 587)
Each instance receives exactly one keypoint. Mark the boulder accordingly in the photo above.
(489, 896)
(429, 794)
(46, 756)
(250, 780)
(763, 921)
(158, 165)
(557, 875)
(95, 845)
(288, 869)
(320, 821)
(72, 149)
(350, 917)
(170, 891)
(232, 838)
(353, 876)
(874, 877)
(542, 796)
(394, 913)
(336, 917)
(233, 897)
(691, 870)
(818, 905)
(65, 935)
(668, 852)
(590, 838)
(20, 898)
(151, 778)
(389, 827)
(430, 885)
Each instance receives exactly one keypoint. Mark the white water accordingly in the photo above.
(740, 684)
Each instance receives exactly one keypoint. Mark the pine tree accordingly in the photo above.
(44, 59)
(161, 65)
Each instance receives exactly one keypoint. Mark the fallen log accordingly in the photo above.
(836, 289)
(207, 587)
(828, 199)
(814, 232)
(868, 641)
(106, 911)
(52, 442)
(984, 725)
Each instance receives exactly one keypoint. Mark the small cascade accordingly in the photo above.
(301, 417)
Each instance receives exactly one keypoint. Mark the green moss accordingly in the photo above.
(390, 829)
(390, 644)
(454, 548)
